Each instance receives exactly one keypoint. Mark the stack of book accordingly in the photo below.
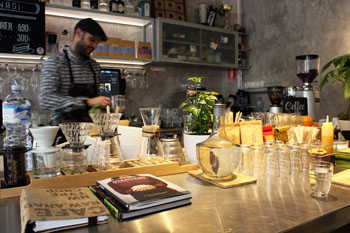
(135, 195)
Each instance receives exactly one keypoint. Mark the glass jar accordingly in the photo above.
(74, 160)
(218, 156)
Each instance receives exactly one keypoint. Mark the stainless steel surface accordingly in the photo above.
(310, 96)
(275, 110)
(271, 205)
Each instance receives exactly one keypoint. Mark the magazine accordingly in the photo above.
(142, 191)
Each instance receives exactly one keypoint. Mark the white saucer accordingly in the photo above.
(45, 150)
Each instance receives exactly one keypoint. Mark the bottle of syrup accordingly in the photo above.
(327, 132)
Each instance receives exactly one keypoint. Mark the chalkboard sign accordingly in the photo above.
(295, 105)
(22, 27)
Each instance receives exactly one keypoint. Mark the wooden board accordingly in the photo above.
(238, 179)
(342, 178)
(128, 167)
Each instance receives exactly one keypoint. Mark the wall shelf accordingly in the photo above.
(101, 16)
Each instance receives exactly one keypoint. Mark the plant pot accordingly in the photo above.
(344, 125)
(190, 142)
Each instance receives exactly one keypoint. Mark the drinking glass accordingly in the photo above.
(321, 174)
(118, 103)
(271, 160)
(284, 159)
(245, 165)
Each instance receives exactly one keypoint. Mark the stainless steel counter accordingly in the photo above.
(271, 205)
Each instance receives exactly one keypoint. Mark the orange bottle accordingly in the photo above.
(327, 132)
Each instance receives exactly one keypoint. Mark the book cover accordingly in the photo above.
(142, 191)
(121, 213)
(58, 209)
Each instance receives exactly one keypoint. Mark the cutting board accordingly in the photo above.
(342, 178)
(236, 180)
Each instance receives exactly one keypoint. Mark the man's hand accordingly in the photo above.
(104, 101)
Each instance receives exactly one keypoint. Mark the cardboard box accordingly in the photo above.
(179, 8)
(159, 13)
(159, 5)
(169, 5)
(144, 50)
(128, 48)
(180, 17)
(170, 14)
(115, 48)
(101, 50)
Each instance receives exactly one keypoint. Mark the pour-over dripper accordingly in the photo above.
(308, 67)
(76, 133)
(106, 123)
(150, 116)
(150, 145)
(275, 94)
(44, 136)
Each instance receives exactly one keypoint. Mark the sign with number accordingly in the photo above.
(22, 27)
(295, 105)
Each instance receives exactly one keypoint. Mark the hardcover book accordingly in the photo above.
(142, 191)
(58, 209)
(121, 213)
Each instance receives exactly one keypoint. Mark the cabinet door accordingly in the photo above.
(219, 47)
(180, 42)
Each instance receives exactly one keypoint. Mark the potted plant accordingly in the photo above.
(340, 73)
(198, 107)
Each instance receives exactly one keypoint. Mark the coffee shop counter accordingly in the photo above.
(270, 205)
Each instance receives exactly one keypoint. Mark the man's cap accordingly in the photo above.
(91, 26)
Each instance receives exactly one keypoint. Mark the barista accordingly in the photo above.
(69, 80)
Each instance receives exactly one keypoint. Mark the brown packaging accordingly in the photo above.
(59, 204)
(251, 132)
(128, 48)
(115, 47)
(144, 50)
(233, 132)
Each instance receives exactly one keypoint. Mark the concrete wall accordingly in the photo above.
(280, 30)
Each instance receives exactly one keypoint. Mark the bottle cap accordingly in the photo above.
(15, 88)
(219, 109)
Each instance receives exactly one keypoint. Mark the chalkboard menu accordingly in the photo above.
(295, 105)
(22, 27)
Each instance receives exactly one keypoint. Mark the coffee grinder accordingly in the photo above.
(276, 94)
(308, 67)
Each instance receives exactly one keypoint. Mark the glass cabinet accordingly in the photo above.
(189, 43)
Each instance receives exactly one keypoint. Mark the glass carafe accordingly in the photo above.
(218, 156)
(150, 147)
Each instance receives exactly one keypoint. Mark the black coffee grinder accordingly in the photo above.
(308, 67)
(276, 94)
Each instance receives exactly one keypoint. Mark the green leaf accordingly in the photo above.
(347, 88)
(325, 67)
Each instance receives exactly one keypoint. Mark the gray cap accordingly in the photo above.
(219, 109)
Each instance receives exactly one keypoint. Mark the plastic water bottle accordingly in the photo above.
(16, 118)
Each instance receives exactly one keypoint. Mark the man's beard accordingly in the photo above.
(81, 48)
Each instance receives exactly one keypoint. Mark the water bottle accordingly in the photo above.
(16, 119)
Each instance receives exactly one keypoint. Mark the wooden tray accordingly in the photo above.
(237, 179)
(128, 167)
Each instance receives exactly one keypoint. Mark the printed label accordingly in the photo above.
(16, 114)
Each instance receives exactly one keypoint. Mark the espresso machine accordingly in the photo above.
(308, 67)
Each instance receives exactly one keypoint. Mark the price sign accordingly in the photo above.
(295, 105)
(22, 27)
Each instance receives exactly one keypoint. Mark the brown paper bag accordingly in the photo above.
(233, 132)
(251, 132)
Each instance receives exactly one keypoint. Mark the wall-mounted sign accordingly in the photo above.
(22, 27)
(295, 105)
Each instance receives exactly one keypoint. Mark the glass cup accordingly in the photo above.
(245, 165)
(340, 145)
(321, 174)
(118, 103)
(46, 164)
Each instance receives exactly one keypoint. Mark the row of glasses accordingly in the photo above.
(136, 78)
(25, 75)
(277, 159)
